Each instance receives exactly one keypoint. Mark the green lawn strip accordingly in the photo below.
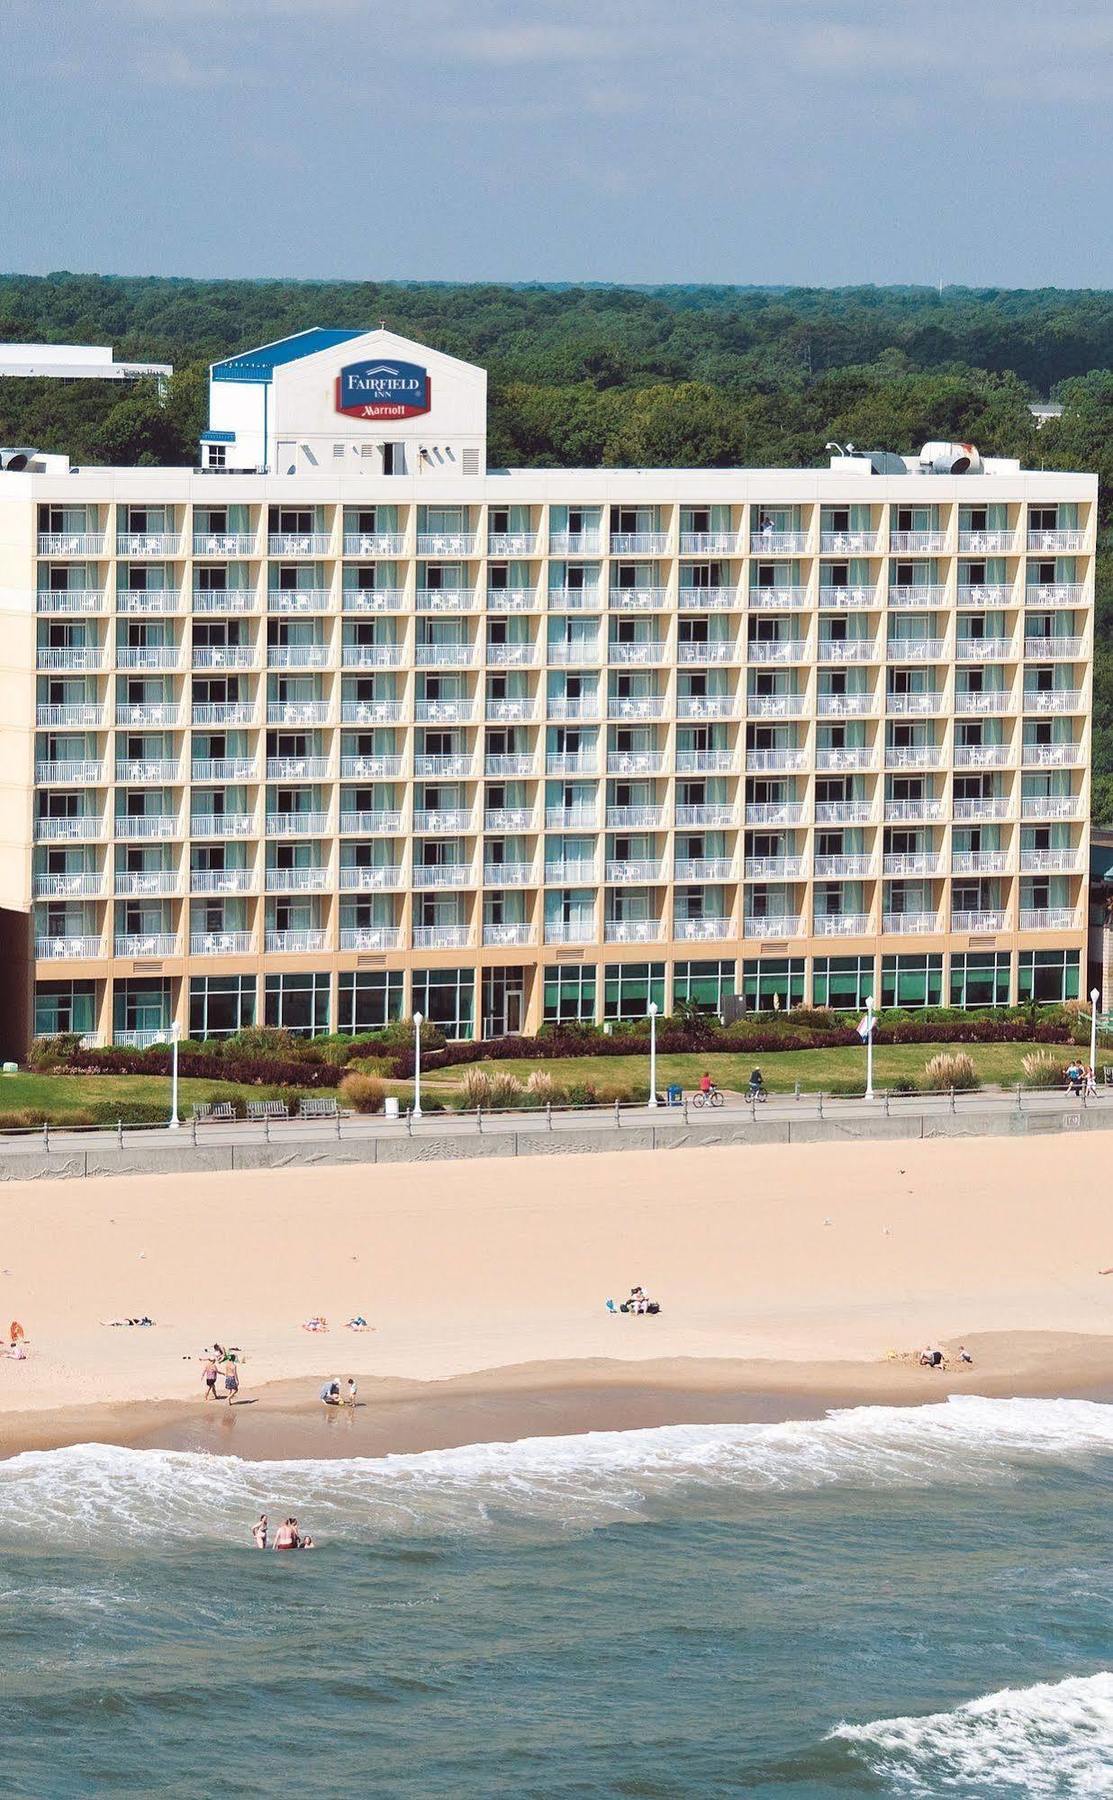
(64, 1096)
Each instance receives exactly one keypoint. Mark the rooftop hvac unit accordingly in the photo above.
(951, 459)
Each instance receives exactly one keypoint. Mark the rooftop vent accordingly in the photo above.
(951, 459)
(15, 460)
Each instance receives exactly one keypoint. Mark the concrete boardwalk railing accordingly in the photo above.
(59, 1155)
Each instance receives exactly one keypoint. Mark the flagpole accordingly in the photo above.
(869, 1046)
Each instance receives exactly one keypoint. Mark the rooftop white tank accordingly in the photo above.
(951, 459)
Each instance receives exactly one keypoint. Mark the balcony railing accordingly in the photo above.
(512, 656)
(298, 600)
(774, 812)
(915, 705)
(513, 600)
(565, 599)
(297, 656)
(913, 862)
(508, 936)
(703, 653)
(74, 827)
(647, 650)
(373, 600)
(279, 943)
(840, 924)
(986, 543)
(221, 881)
(512, 543)
(521, 763)
(1047, 918)
(373, 543)
(150, 712)
(572, 762)
(635, 706)
(1054, 700)
(446, 600)
(708, 599)
(986, 649)
(223, 768)
(297, 712)
(774, 925)
(224, 543)
(148, 602)
(515, 712)
(510, 874)
(1055, 543)
(445, 712)
(634, 818)
(910, 924)
(762, 761)
(846, 706)
(777, 599)
(979, 594)
(448, 543)
(370, 878)
(583, 872)
(844, 866)
(641, 873)
(699, 762)
(1052, 756)
(459, 766)
(370, 937)
(148, 543)
(996, 808)
(917, 543)
(311, 880)
(71, 543)
(441, 937)
(84, 884)
(299, 543)
(146, 943)
(220, 943)
(913, 756)
(916, 649)
(979, 862)
(984, 700)
(704, 868)
(445, 875)
(222, 825)
(223, 656)
(783, 706)
(637, 599)
(147, 825)
(221, 712)
(67, 949)
(849, 650)
(835, 599)
(639, 543)
(297, 824)
(1059, 593)
(776, 868)
(1036, 648)
(708, 706)
(914, 812)
(578, 653)
(509, 818)
(701, 930)
(843, 812)
(633, 931)
(982, 756)
(635, 762)
(444, 656)
(369, 768)
(778, 543)
(72, 771)
(159, 768)
(70, 600)
(369, 824)
(372, 656)
(442, 819)
(987, 919)
(224, 600)
(777, 650)
(852, 757)
(371, 712)
(1050, 806)
(1052, 862)
(73, 656)
(559, 931)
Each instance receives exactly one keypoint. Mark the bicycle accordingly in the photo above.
(757, 1096)
(710, 1097)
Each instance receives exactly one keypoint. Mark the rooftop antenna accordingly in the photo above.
(382, 324)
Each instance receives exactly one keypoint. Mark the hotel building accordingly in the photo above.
(343, 724)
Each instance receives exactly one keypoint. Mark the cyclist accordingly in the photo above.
(705, 1083)
(757, 1084)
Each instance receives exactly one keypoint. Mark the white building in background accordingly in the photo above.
(74, 362)
(344, 724)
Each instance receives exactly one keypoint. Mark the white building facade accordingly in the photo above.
(345, 725)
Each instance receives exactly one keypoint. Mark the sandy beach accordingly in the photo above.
(787, 1276)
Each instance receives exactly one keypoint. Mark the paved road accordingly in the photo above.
(779, 1107)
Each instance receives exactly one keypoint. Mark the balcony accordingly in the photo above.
(1050, 806)
(512, 656)
(915, 705)
(1055, 543)
(774, 812)
(979, 862)
(297, 712)
(777, 650)
(370, 937)
(367, 768)
(778, 543)
(1047, 918)
(369, 824)
(1049, 862)
(223, 656)
(510, 874)
(639, 543)
(640, 873)
(222, 825)
(443, 819)
(979, 594)
(70, 600)
(780, 706)
(916, 649)
(703, 868)
(286, 601)
(913, 756)
(221, 881)
(448, 543)
(297, 768)
(370, 878)
(838, 599)
(576, 654)
(637, 599)
(445, 875)
(1059, 593)
(71, 543)
(309, 879)
(148, 602)
(373, 600)
(212, 712)
(708, 706)
(68, 949)
(711, 543)
(299, 543)
(445, 712)
(510, 818)
(854, 757)
(84, 884)
(777, 599)
(635, 706)
(774, 925)
(223, 543)
(1054, 700)
(558, 931)
(635, 762)
(647, 650)
(917, 543)
(129, 827)
(281, 943)
(146, 943)
(633, 931)
(763, 761)
(994, 808)
(909, 924)
(220, 943)
(701, 930)
(1052, 756)
(73, 656)
(702, 654)
(840, 924)
(148, 543)
(849, 650)
(991, 919)
(847, 706)
(982, 756)
(506, 937)
(71, 827)
(459, 766)
(702, 762)
(512, 543)
(299, 656)
(297, 824)
(573, 818)
(571, 762)
(373, 543)
(913, 862)
(150, 712)
(446, 600)
(444, 656)
(776, 868)
(844, 812)
(371, 712)
(148, 656)
(565, 599)
(925, 811)
(1036, 648)
(158, 768)
(514, 712)
(988, 700)
(986, 543)
(927, 596)
(224, 768)
(520, 764)
(513, 600)
(583, 872)
(845, 867)
(72, 772)
(224, 600)
(985, 649)
(708, 599)
(441, 937)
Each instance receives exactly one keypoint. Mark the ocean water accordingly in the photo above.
(888, 1601)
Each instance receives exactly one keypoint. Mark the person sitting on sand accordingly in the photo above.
(16, 1333)
(931, 1358)
(286, 1537)
(964, 1355)
(259, 1532)
(316, 1323)
(359, 1323)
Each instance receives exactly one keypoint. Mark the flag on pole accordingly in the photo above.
(865, 1027)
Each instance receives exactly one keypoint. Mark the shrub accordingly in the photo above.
(542, 1085)
(262, 1040)
(582, 1093)
(24, 1118)
(129, 1112)
(951, 1069)
(50, 1052)
(845, 1090)
(482, 1088)
(363, 1093)
(904, 1084)
(1041, 1070)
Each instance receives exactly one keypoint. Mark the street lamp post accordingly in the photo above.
(869, 1046)
(653, 1053)
(1095, 996)
(171, 1037)
(417, 1066)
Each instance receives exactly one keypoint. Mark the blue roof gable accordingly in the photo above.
(259, 365)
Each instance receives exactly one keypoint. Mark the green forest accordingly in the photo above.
(683, 376)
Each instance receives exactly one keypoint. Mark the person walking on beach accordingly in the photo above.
(208, 1372)
(231, 1381)
(350, 1391)
(259, 1532)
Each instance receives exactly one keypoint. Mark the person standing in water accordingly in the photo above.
(287, 1537)
(259, 1532)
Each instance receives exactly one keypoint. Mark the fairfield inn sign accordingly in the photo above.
(383, 390)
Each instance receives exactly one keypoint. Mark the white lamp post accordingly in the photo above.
(869, 1046)
(417, 1066)
(171, 1037)
(1095, 996)
(653, 1053)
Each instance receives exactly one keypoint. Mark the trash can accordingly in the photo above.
(674, 1094)
(390, 1106)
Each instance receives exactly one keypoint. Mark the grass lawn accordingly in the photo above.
(64, 1096)
(995, 1063)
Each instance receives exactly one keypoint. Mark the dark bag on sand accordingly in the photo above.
(653, 1307)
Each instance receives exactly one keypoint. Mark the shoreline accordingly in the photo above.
(285, 1421)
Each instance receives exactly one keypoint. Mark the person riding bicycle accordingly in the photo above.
(705, 1083)
(757, 1084)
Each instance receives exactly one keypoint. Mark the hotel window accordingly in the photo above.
(570, 994)
(1047, 975)
(446, 997)
(773, 984)
(843, 982)
(628, 989)
(221, 1005)
(298, 1003)
(703, 984)
(369, 999)
(216, 456)
(980, 978)
(911, 981)
(65, 1006)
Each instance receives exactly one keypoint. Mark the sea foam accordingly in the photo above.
(1054, 1740)
(580, 1482)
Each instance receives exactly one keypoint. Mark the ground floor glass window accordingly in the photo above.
(221, 1005)
(298, 1003)
(570, 994)
(446, 998)
(843, 982)
(629, 987)
(773, 983)
(140, 1007)
(703, 984)
(369, 999)
(65, 1006)
(912, 980)
(980, 978)
(1047, 975)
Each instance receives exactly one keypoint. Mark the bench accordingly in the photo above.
(317, 1106)
(209, 1112)
(259, 1110)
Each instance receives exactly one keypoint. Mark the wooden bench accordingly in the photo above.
(317, 1106)
(259, 1110)
(210, 1112)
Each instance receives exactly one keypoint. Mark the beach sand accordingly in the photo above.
(787, 1275)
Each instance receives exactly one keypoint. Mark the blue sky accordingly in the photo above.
(820, 141)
